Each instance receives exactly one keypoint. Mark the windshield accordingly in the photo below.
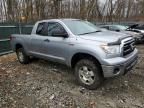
(79, 27)
(121, 27)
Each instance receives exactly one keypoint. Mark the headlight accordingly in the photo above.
(115, 49)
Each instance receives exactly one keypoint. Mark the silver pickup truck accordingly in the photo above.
(94, 54)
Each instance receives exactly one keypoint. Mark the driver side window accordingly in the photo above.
(54, 26)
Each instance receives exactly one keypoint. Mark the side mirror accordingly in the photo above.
(59, 33)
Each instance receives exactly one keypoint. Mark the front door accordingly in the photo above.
(56, 47)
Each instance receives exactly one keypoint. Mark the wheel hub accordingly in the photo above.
(21, 56)
(86, 75)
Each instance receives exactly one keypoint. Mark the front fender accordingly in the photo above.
(97, 53)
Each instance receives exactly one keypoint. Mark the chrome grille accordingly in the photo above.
(129, 47)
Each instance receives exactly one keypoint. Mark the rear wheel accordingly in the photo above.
(22, 57)
(88, 74)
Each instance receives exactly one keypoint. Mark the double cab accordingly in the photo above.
(92, 53)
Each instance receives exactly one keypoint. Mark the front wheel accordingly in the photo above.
(22, 57)
(88, 74)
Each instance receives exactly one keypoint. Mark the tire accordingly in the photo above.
(22, 57)
(88, 74)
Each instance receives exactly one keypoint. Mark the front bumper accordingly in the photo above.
(119, 65)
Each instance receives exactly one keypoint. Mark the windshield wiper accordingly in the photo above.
(90, 32)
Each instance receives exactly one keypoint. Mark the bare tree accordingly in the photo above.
(93, 10)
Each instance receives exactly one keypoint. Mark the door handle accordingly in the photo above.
(47, 40)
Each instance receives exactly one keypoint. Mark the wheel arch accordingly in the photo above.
(78, 56)
(17, 46)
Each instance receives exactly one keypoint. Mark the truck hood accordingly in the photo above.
(105, 36)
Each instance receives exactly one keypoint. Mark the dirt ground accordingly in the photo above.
(43, 84)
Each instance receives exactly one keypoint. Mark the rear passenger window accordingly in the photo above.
(42, 29)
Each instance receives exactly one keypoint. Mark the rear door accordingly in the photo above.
(38, 39)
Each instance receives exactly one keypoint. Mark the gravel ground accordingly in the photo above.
(43, 84)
